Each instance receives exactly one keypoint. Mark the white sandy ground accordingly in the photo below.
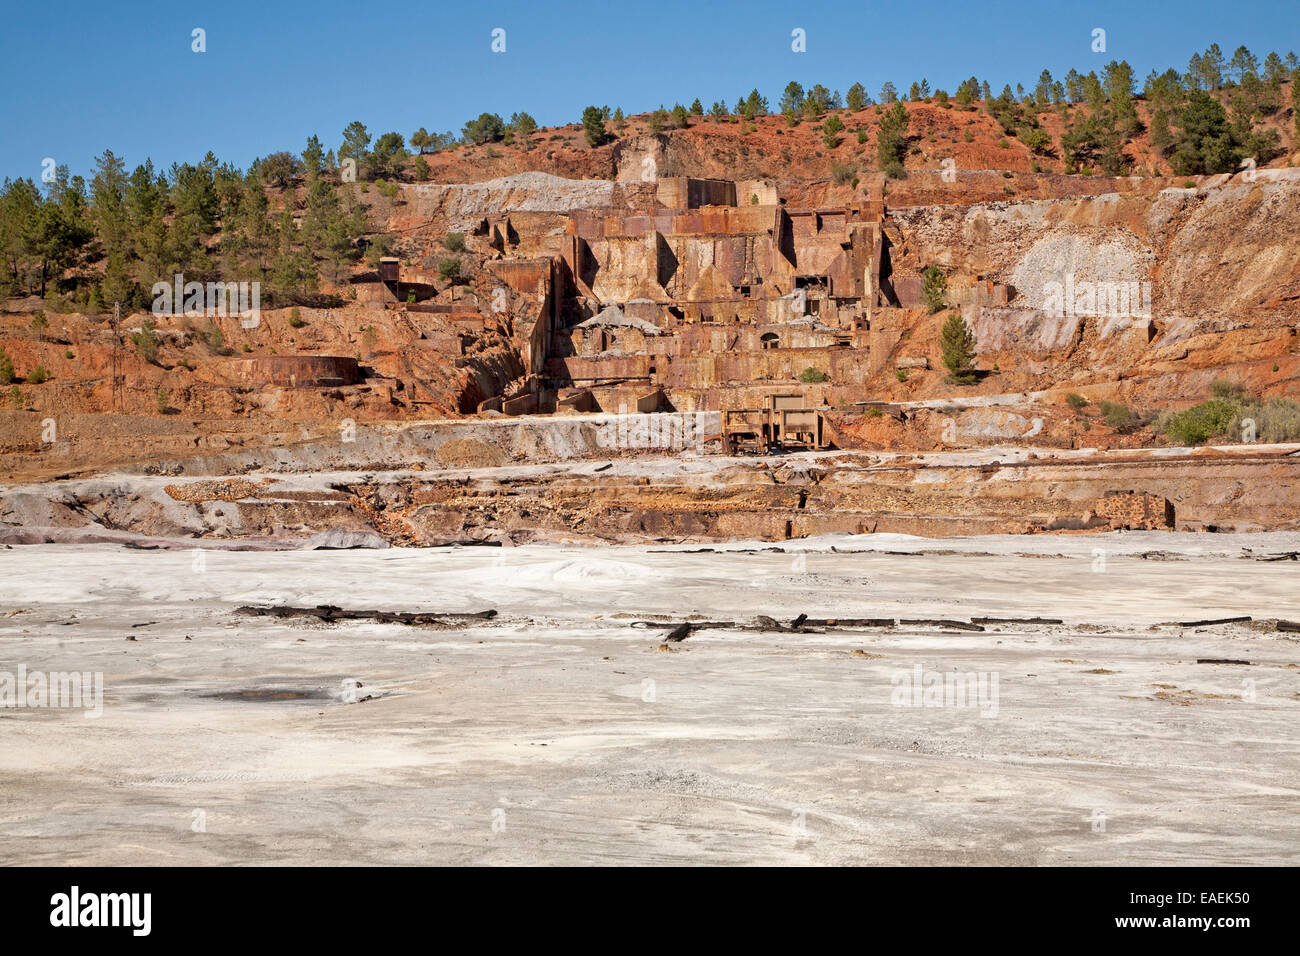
(543, 722)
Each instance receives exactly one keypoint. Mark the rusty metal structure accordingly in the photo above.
(785, 424)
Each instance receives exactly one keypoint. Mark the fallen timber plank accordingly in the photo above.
(800, 624)
(1016, 620)
(933, 622)
(1290, 626)
(850, 622)
(1218, 620)
(1220, 660)
(694, 625)
(329, 613)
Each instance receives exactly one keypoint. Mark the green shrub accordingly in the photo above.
(1116, 415)
(812, 375)
(1226, 415)
(842, 172)
(162, 401)
(6, 368)
(37, 375)
(1198, 424)
(16, 399)
(449, 268)
(1229, 391)
(67, 354)
(295, 319)
(1276, 420)
(875, 412)
(901, 374)
(454, 242)
(1075, 400)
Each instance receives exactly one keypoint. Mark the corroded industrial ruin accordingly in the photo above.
(684, 300)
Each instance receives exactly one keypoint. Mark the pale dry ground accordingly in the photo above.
(542, 714)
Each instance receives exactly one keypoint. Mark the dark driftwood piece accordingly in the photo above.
(928, 622)
(1016, 620)
(329, 614)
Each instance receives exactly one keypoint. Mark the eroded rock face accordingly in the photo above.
(338, 540)
(462, 206)
(198, 491)
(712, 498)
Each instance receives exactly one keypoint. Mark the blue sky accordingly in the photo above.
(80, 77)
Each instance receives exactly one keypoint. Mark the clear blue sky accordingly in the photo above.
(79, 76)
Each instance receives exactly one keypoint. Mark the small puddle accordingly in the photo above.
(273, 695)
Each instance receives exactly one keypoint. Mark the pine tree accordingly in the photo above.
(1274, 71)
(593, 125)
(1295, 98)
(1243, 63)
(891, 141)
(957, 343)
(356, 141)
(792, 99)
(935, 288)
(313, 156)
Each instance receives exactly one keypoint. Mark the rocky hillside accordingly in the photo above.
(768, 147)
